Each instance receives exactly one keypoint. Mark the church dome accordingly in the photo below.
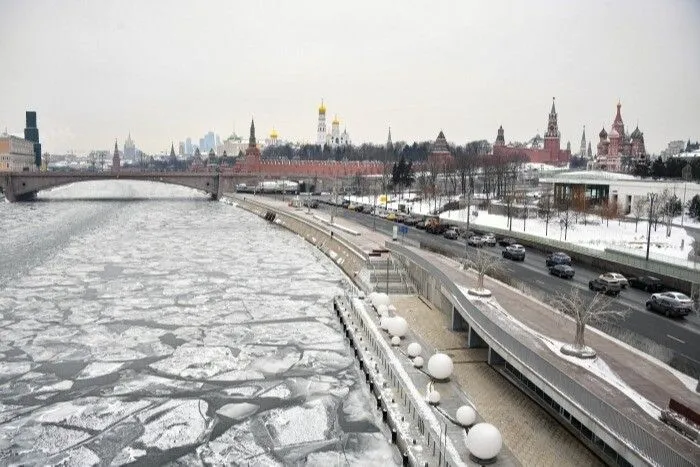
(336, 121)
(273, 134)
(322, 109)
(636, 133)
(614, 133)
(603, 133)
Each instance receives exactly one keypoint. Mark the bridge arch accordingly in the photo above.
(21, 186)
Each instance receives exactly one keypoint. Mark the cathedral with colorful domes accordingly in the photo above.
(333, 139)
(613, 146)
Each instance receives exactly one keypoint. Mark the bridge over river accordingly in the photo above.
(23, 186)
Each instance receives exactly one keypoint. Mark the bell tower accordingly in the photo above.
(321, 129)
(552, 142)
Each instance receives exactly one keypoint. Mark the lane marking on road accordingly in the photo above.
(675, 338)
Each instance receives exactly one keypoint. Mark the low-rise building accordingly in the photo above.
(16, 154)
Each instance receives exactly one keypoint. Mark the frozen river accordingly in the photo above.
(167, 328)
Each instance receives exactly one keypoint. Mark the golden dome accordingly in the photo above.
(336, 121)
(273, 133)
(322, 108)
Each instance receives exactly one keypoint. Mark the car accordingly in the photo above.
(346, 203)
(412, 220)
(516, 252)
(606, 286)
(451, 234)
(556, 258)
(615, 277)
(476, 241)
(464, 233)
(647, 283)
(562, 270)
(420, 225)
(671, 304)
(391, 217)
(489, 239)
(506, 241)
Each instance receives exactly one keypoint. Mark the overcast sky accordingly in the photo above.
(165, 70)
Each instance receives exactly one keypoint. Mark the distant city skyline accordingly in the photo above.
(99, 71)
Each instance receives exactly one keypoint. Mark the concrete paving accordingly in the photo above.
(532, 435)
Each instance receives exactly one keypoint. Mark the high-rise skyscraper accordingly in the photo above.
(31, 133)
(189, 150)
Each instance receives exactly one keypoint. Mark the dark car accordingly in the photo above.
(451, 234)
(554, 259)
(515, 252)
(311, 203)
(608, 287)
(562, 270)
(648, 283)
(670, 304)
(507, 241)
(412, 220)
(345, 203)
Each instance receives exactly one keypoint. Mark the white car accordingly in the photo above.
(615, 277)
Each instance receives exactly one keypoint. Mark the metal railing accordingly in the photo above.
(608, 419)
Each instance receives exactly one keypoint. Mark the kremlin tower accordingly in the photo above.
(321, 133)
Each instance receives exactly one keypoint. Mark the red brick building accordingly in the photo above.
(550, 154)
(253, 164)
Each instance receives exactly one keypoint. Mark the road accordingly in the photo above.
(680, 335)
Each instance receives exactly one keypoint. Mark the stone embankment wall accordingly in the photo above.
(350, 259)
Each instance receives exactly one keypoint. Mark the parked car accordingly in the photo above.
(516, 252)
(670, 304)
(345, 203)
(615, 277)
(311, 203)
(606, 286)
(420, 225)
(489, 239)
(507, 241)
(554, 259)
(464, 233)
(562, 270)
(648, 283)
(391, 217)
(476, 241)
(451, 234)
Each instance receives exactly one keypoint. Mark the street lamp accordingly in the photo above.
(652, 197)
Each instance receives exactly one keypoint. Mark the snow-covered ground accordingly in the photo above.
(623, 236)
(150, 331)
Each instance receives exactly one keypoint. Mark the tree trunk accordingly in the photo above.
(579, 339)
(480, 282)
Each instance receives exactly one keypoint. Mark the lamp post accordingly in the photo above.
(652, 196)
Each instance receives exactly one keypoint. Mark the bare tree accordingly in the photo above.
(545, 208)
(585, 311)
(639, 209)
(565, 217)
(482, 263)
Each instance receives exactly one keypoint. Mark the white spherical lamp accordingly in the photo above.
(381, 299)
(440, 366)
(396, 340)
(398, 326)
(484, 442)
(414, 349)
(384, 322)
(372, 296)
(382, 310)
(434, 397)
(466, 416)
(418, 361)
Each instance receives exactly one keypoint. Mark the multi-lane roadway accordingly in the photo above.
(680, 335)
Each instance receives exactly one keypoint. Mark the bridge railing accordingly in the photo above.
(608, 418)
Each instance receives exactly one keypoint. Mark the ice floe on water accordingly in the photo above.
(172, 331)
